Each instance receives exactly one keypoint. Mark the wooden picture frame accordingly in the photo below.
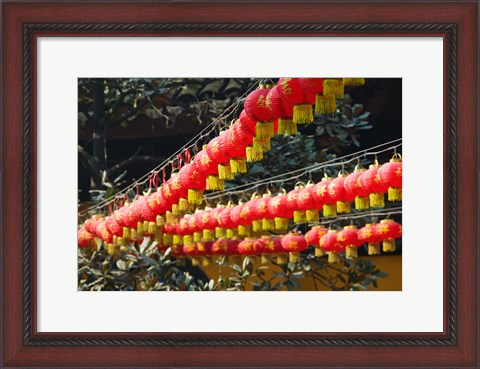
(22, 345)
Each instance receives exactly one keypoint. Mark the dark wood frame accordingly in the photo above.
(456, 346)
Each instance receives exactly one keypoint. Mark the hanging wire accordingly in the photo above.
(302, 171)
(372, 214)
(211, 127)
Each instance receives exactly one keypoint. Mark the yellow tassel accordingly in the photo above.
(195, 262)
(268, 224)
(160, 220)
(299, 216)
(329, 210)
(197, 236)
(257, 225)
(184, 205)
(343, 207)
(152, 227)
(175, 209)
(264, 130)
(265, 259)
(282, 259)
(286, 126)
(262, 143)
(115, 240)
(225, 171)
(281, 224)
(235, 259)
(177, 239)
(110, 249)
(351, 252)
(145, 226)
(207, 235)
(354, 81)
(167, 239)
(133, 234)
(126, 232)
(394, 194)
(333, 258)
(254, 153)
(215, 184)
(319, 252)
(238, 165)
(206, 261)
(302, 113)
(377, 200)
(294, 257)
(244, 230)
(120, 241)
(159, 236)
(219, 232)
(232, 233)
(188, 238)
(362, 203)
(333, 87)
(325, 104)
(171, 219)
(312, 215)
(194, 196)
(374, 249)
(388, 245)
(139, 229)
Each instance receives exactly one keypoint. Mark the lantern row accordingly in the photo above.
(326, 242)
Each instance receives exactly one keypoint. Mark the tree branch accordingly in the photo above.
(113, 171)
(89, 164)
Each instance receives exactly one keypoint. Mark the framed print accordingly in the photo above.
(146, 152)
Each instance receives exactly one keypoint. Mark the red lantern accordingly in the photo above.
(370, 182)
(85, 238)
(279, 210)
(348, 237)
(248, 124)
(216, 150)
(262, 213)
(148, 216)
(158, 206)
(354, 189)
(242, 137)
(321, 195)
(391, 177)
(214, 221)
(202, 221)
(256, 109)
(323, 103)
(91, 224)
(102, 232)
(191, 179)
(313, 237)
(294, 243)
(240, 219)
(267, 245)
(167, 193)
(299, 216)
(204, 249)
(113, 227)
(339, 195)
(206, 166)
(226, 223)
(236, 151)
(388, 230)
(246, 247)
(226, 247)
(282, 111)
(292, 92)
(370, 235)
(330, 243)
(307, 203)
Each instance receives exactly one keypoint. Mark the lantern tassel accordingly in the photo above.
(388, 245)
(177, 239)
(225, 171)
(343, 207)
(264, 130)
(257, 225)
(232, 233)
(140, 229)
(282, 259)
(126, 232)
(268, 224)
(195, 262)
(219, 232)
(195, 196)
(333, 87)
(265, 259)
(206, 261)
(286, 126)
(351, 252)
(319, 252)
(294, 257)
(325, 104)
(262, 144)
(184, 205)
(152, 227)
(187, 239)
(394, 194)
(333, 258)
(159, 236)
(377, 200)
(238, 165)
(244, 230)
(145, 227)
(302, 113)
(214, 183)
(362, 203)
(167, 239)
(197, 236)
(175, 209)
(254, 153)
(312, 215)
(329, 210)
(354, 81)
(133, 234)
(160, 220)
(299, 216)
(374, 249)
(281, 224)
(208, 235)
